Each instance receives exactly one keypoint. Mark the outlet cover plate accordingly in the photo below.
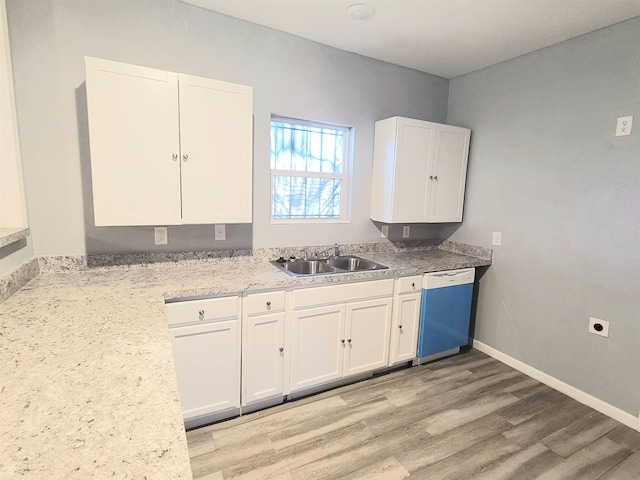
(160, 235)
(623, 127)
(220, 232)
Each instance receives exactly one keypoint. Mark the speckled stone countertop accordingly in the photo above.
(87, 386)
(231, 276)
(11, 235)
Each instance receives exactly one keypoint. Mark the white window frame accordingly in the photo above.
(345, 176)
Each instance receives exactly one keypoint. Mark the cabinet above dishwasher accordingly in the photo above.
(419, 171)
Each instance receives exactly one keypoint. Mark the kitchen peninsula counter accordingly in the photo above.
(88, 387)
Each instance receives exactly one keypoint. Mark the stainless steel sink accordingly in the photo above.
(341, 264)
(352, 263)
(306, 267)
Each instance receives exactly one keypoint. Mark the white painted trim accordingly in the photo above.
(582, 397)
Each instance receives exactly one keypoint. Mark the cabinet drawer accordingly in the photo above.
(343, 293)
(202, 311)
(411, 284)
(267, 302)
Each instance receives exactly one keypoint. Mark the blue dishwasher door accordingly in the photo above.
(444, 319)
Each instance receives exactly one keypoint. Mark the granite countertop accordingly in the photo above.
(11, 235)
(233, 277)
(87, 386)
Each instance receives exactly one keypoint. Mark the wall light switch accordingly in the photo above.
(497, 238)
(384, 231)
(221, 233)
(406, 230)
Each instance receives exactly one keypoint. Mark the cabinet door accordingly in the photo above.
(449, 174)
(216, 137)
(264, 366)
(415, 146)
(368, 329)
(317, 346)
(207, 360)
(404, 331)
(133, 132)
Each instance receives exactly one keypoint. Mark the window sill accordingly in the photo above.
(307, 221)
(12, 235)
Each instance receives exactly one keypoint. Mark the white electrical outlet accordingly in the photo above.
(497, 238)
(406, 230)
(220, 232)
(599, 327)
(384, 231)
(623, 127)
(160, 234)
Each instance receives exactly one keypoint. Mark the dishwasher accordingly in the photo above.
(445, 313)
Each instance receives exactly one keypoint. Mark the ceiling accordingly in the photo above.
(447, 38)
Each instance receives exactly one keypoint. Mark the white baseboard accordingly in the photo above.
(582, 397)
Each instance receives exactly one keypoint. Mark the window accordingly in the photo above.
(309, 170)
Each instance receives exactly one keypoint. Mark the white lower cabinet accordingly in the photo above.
(339, 330)
(234, 352)
(263, 347)
(406, 319)
(205, 338)
(367, 332)
(317, 348)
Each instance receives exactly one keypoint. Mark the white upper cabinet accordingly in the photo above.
(419, 171)
(168, 148)
(216, 137)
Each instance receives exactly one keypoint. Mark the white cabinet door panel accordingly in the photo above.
(368, 329)
(216, 138)
(404, 333)
(263, 372)
(415, 145)
(133, 131)
(317, 346)
(447, 196)
(207, 361)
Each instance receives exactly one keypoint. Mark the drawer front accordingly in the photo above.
(202, 311)
(411, 284)
(343, 293)
(266, 302)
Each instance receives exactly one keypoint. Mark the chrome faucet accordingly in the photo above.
(324, 254)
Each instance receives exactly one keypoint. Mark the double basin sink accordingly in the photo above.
(342, 264)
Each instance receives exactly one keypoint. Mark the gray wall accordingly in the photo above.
(15, 254)
(546, 170)
(290, 76)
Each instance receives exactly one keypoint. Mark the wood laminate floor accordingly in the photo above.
(464, 417)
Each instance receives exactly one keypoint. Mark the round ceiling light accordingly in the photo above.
(361, 11)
